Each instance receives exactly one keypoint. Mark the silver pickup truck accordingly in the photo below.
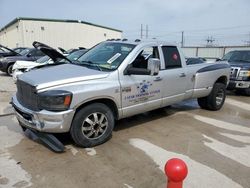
(113, 80)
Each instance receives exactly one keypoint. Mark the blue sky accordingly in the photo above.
(227, 21)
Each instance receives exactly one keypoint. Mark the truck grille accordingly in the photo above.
(234, 72)
(27, 96)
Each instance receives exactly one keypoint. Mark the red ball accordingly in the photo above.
(176, 170)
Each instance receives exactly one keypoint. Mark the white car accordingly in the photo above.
(23, 66)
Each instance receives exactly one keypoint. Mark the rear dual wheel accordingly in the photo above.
(215, 100)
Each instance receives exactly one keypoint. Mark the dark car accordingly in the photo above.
(5, 52)
(19, 49)
(29, 54)
(195, 60)
(240, 70)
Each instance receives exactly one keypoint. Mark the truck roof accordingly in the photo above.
(142, 42)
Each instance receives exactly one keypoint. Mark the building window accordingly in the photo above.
(42, 28)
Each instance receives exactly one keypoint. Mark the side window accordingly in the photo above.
(171, 57)
(36, 53)
(141, 60)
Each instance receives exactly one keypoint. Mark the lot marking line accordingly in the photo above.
(243, 139)
(199, 174)
(238, 154)
(222, 124)
(239, 104)
(128, 186)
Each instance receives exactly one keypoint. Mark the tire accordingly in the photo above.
(215, 100)
(247, 92)
(92, 125)
(9, 70)
(202, 102)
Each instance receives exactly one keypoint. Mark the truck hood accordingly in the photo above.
(24, 64)
(51, 52)
(240, 64)
(59, 75)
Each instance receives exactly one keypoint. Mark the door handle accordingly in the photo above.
(157, 79)
(183, 75)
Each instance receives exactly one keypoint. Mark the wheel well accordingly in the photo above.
(222, 79)
(108, 102)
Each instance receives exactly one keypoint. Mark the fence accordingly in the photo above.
(211, 52)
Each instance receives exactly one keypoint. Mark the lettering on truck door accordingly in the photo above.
(141, 93)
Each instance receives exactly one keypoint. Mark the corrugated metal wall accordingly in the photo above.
(56, 34)
(10, 37)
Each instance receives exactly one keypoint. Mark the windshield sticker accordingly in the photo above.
(143, 92)
(112, 59)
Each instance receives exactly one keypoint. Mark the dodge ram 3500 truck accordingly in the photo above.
(240, 70)
(113, 80)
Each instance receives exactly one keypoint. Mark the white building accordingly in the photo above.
(21, 32)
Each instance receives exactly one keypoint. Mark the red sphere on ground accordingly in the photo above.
(176, 170)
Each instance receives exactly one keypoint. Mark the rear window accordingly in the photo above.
(171, 57)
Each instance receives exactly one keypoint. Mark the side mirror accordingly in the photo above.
(28, 55)
(154, 66)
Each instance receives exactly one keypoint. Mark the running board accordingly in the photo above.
(46, 139)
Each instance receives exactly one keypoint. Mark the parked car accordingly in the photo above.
(111, 81)
(24, 66)
(19, 49)
(29, 54)
(240, 70)
(195, 60)
(5, 52)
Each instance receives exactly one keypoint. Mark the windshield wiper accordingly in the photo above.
(90, 63)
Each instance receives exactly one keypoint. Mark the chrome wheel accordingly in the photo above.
(219, 97)
(95, 125)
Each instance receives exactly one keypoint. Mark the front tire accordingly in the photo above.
(92, 125)
(9, 70)
(215, 100)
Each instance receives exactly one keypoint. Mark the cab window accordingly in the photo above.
(141, 61)
(171, 57)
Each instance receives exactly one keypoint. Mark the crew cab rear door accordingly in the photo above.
(173, 75)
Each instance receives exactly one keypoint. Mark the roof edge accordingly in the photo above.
(55, 20)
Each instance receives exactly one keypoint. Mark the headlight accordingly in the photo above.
(54, 100)
(244, 73)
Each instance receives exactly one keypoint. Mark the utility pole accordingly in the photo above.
(146, 31)
(141, 31)
(210, 41)
(182, 39)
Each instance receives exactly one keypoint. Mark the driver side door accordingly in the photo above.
(141, 93)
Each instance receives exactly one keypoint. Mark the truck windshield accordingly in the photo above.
(237, 56)
(106, 56)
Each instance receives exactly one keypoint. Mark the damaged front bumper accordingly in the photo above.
(43, 121)
(38, 125)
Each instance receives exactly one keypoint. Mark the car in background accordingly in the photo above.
(195, 60)
(5, 52)
(29, 54)
(19, 49)
(21, 67)
(239, 61)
